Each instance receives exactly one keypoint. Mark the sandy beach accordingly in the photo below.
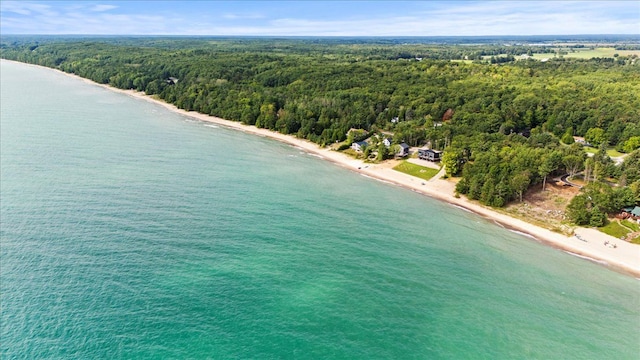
(588, 244)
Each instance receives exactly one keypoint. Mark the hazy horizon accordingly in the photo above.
(320, 18)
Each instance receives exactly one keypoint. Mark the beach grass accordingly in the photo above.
(615, 229)
(416, 170)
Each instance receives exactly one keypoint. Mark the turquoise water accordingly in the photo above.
(128, 231)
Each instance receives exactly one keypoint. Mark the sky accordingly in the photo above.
(320, 18)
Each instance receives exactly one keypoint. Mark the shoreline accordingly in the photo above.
(589, 244)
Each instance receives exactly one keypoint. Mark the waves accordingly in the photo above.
(586, 258)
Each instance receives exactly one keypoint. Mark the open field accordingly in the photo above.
(422, 172)
(586, 53)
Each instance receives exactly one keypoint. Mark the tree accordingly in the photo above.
(567, 138)
(589, 169)
(578, 210)
(598, 218)
(520, 183)
(595, 136)
(631, 144)
(451, 160)
(573, 164)
(549, 163)
(367, 151)
(383, 152)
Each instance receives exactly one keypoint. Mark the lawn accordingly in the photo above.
(416, 170)
(631, 225)
(615, 229)
(611, 151)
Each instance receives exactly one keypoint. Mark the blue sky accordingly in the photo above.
(320, 18)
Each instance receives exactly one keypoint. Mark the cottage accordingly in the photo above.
(430, 154)
(404, 150)
(632, 212)
(172, 81)
(359, 146)
(386, 142)
(581, 140)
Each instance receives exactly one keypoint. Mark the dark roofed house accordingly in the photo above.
(430, 154)
(404, 150)
(359, 146)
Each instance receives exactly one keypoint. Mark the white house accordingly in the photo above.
(359, 146)
(387, 142)
(404, 150)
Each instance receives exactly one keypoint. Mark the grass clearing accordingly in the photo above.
(611, 151)
(614, 153)
(422, 172)
(631, 225)
(615, 229)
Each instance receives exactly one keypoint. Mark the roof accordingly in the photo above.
(362, 143)
(636, 211)
(404, 146)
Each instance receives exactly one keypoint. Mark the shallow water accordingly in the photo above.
(128, 231)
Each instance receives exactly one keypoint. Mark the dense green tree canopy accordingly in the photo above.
(499, 121)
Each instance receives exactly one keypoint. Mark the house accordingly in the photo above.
(404, 150)
(430, 154)
(632, 212)
(387, 142)
(359, 146)
(581, 140)
(172, 81)
(395, 120)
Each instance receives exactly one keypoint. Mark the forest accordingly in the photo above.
(504, 125)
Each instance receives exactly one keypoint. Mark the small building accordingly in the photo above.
(581, 140)
(430, 154)
(404, 150)
(359, 146)
(632, 212)
(172, 81)
(387, 142)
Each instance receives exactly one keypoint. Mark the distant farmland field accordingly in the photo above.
(604, 52)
